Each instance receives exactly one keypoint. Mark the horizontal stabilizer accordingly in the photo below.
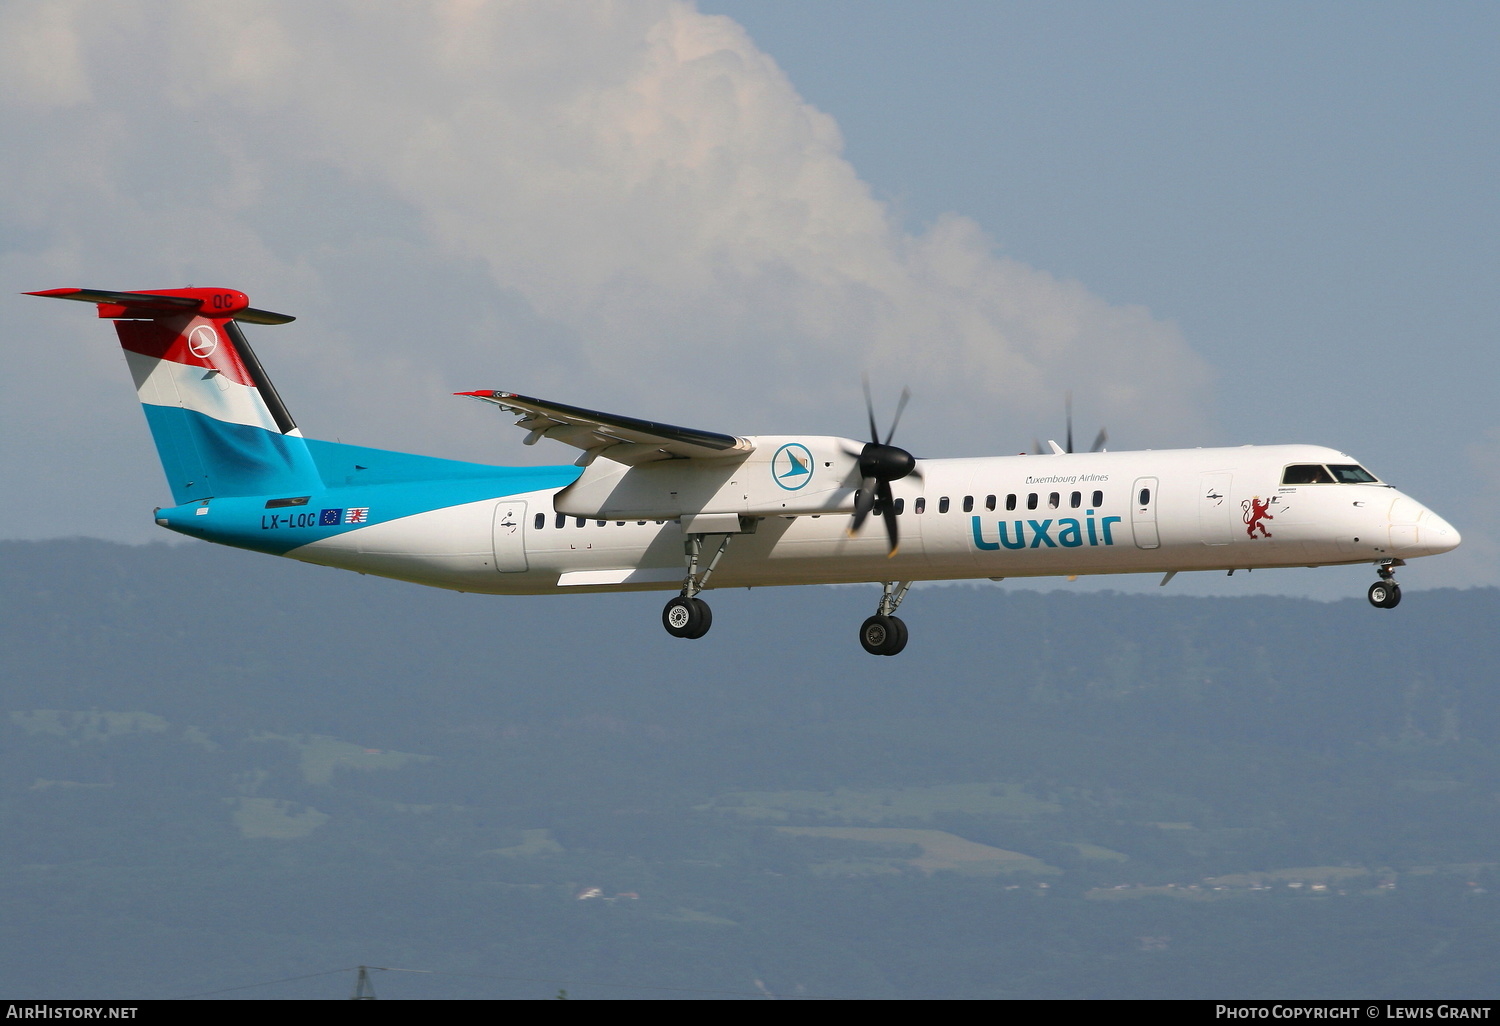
(208, 302)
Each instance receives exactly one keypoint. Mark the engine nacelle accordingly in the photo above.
(785, 475)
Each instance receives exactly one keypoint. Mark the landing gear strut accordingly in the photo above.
(1386, 593)
(688, 616)
(885, 633)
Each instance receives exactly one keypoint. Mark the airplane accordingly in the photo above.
(650, 506)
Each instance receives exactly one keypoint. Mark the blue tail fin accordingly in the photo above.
(219, 426)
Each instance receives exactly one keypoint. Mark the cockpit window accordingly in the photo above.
(1306, 473)
(1351, 473)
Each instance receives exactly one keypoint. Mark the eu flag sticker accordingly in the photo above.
(330, 517)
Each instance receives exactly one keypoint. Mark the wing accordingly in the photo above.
(621, 439)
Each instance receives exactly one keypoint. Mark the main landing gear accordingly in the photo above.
(687, 615)
(885, 633)
(1386, 593)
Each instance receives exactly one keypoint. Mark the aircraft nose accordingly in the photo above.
(1435, 534)
(1417, 530)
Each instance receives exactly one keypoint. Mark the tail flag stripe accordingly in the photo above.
(213, 394)
(197, 342)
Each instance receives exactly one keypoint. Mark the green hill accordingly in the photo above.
(221, 769)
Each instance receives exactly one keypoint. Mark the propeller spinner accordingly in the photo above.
(881, 463)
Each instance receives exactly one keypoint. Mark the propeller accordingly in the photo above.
(1099, 439)
(881, 463)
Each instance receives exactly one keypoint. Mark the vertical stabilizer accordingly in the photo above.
(219, 425)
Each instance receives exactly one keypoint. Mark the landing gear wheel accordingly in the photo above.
(883, 635)
(705, 618)
(900, 641)
(1384, 594)
(687, 617)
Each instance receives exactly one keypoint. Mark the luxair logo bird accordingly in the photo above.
(792, 466)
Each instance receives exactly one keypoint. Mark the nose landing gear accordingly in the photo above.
(1386, 593)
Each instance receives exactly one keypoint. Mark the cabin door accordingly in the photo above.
(1216, 517)
(1143, 514)
(510, 536)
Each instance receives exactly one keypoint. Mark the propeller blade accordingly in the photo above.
(870, 409)
(888, 512)
(1068, 403)
(864, 501)
(1067, 447)
(900, 408)
(880, 463)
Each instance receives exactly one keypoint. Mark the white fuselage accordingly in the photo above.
(996, 517)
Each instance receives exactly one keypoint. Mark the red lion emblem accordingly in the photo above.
(1255, 512)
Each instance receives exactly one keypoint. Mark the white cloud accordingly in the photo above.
(615, 204)
(41, 63)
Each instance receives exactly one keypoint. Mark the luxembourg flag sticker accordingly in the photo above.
(357, 515)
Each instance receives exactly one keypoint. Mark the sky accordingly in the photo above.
(1213, 224)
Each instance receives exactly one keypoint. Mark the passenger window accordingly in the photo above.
(599, 523)
(900, 507)
(1010, 502)
(581, 521)
(562, 520)
(1306, 473)
(943, 504)
(968, 503)
(1145, 497)
(1031, 501)
(1351, 473)
(1075, 500)
(541, 521)
(1098, 499)
(989, 502)
(920, 506)
(1054, 500)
